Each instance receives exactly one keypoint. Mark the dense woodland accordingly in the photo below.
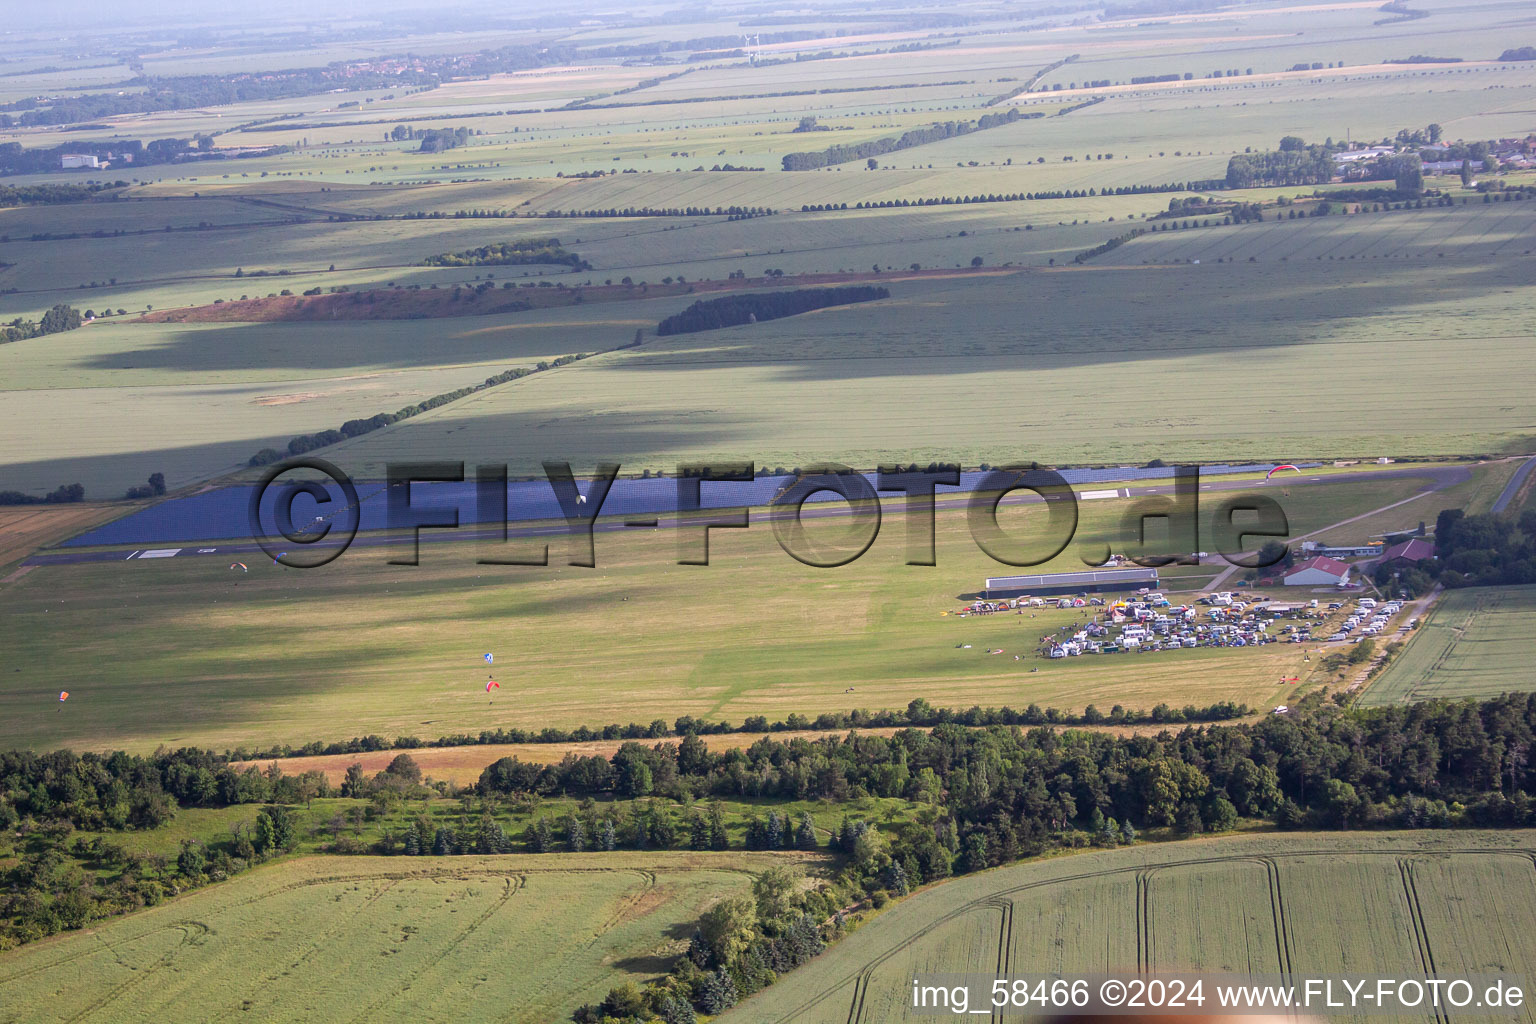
(732, 310)
(58, 319)
(979, 797)
(524, 251)
(1473, 551)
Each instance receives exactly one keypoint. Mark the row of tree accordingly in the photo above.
(365, 425)
(64, 494)
(735, 212)
(918, 713)
(937, 132)
(1014, 197)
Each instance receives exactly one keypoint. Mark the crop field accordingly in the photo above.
(1481, 232)
(1476, 642)
(393, 650)
(514, 938)
(25, 529)
(1296, 905)
(1017, 364)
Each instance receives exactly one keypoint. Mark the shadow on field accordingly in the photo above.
(1084, 316)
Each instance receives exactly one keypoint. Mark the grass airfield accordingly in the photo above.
(230, 657)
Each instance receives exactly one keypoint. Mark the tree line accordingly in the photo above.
(365, 425)
(733, 310)
(65, 494)
(919, 713)
(52, 194)
(1192, 185)
(735, 212)
(58, 319)
(937, 132)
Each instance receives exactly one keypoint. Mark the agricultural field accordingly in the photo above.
(1124, 380)
(222, 242)
(516, 938)
(1293, 905)
(1474, 643)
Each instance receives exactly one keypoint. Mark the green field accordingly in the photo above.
(1299, 905)
(1475, 643)
(365, 647)
(1017, 365)
(1125, 360)
(514, 938)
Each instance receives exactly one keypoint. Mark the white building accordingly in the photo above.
(1317, 572)
(70, 161)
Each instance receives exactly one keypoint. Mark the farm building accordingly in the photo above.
(1071, 582)
(1407, 554)
(70, 161)
(1317, 572)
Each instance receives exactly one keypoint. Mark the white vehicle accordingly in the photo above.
(1367, 603)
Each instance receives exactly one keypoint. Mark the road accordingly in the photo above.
(1442, 476)
(1513, 487)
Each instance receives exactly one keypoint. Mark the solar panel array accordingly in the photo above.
(222, 513)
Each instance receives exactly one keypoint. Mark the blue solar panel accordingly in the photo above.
(221, 514)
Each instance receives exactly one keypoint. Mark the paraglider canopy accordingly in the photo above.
(1277, 469)
(239, 565)
(63, 696)
(492, 685)
(489, 658)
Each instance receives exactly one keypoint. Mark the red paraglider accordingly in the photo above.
(492, 685)
(1277, 469)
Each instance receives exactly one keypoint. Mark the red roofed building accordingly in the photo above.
(1317, 572)
(1408, 554)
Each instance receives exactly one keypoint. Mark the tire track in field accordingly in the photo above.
(1277, 910)
(860, 977)
(193, 932)
(314, 945)
(1143, 922)
(1420, 930)
(512, 885)
(393, 876)
(627, 901)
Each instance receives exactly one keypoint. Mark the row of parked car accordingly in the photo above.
(1380, 617)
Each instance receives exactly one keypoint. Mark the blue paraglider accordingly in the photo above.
(489, 658)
